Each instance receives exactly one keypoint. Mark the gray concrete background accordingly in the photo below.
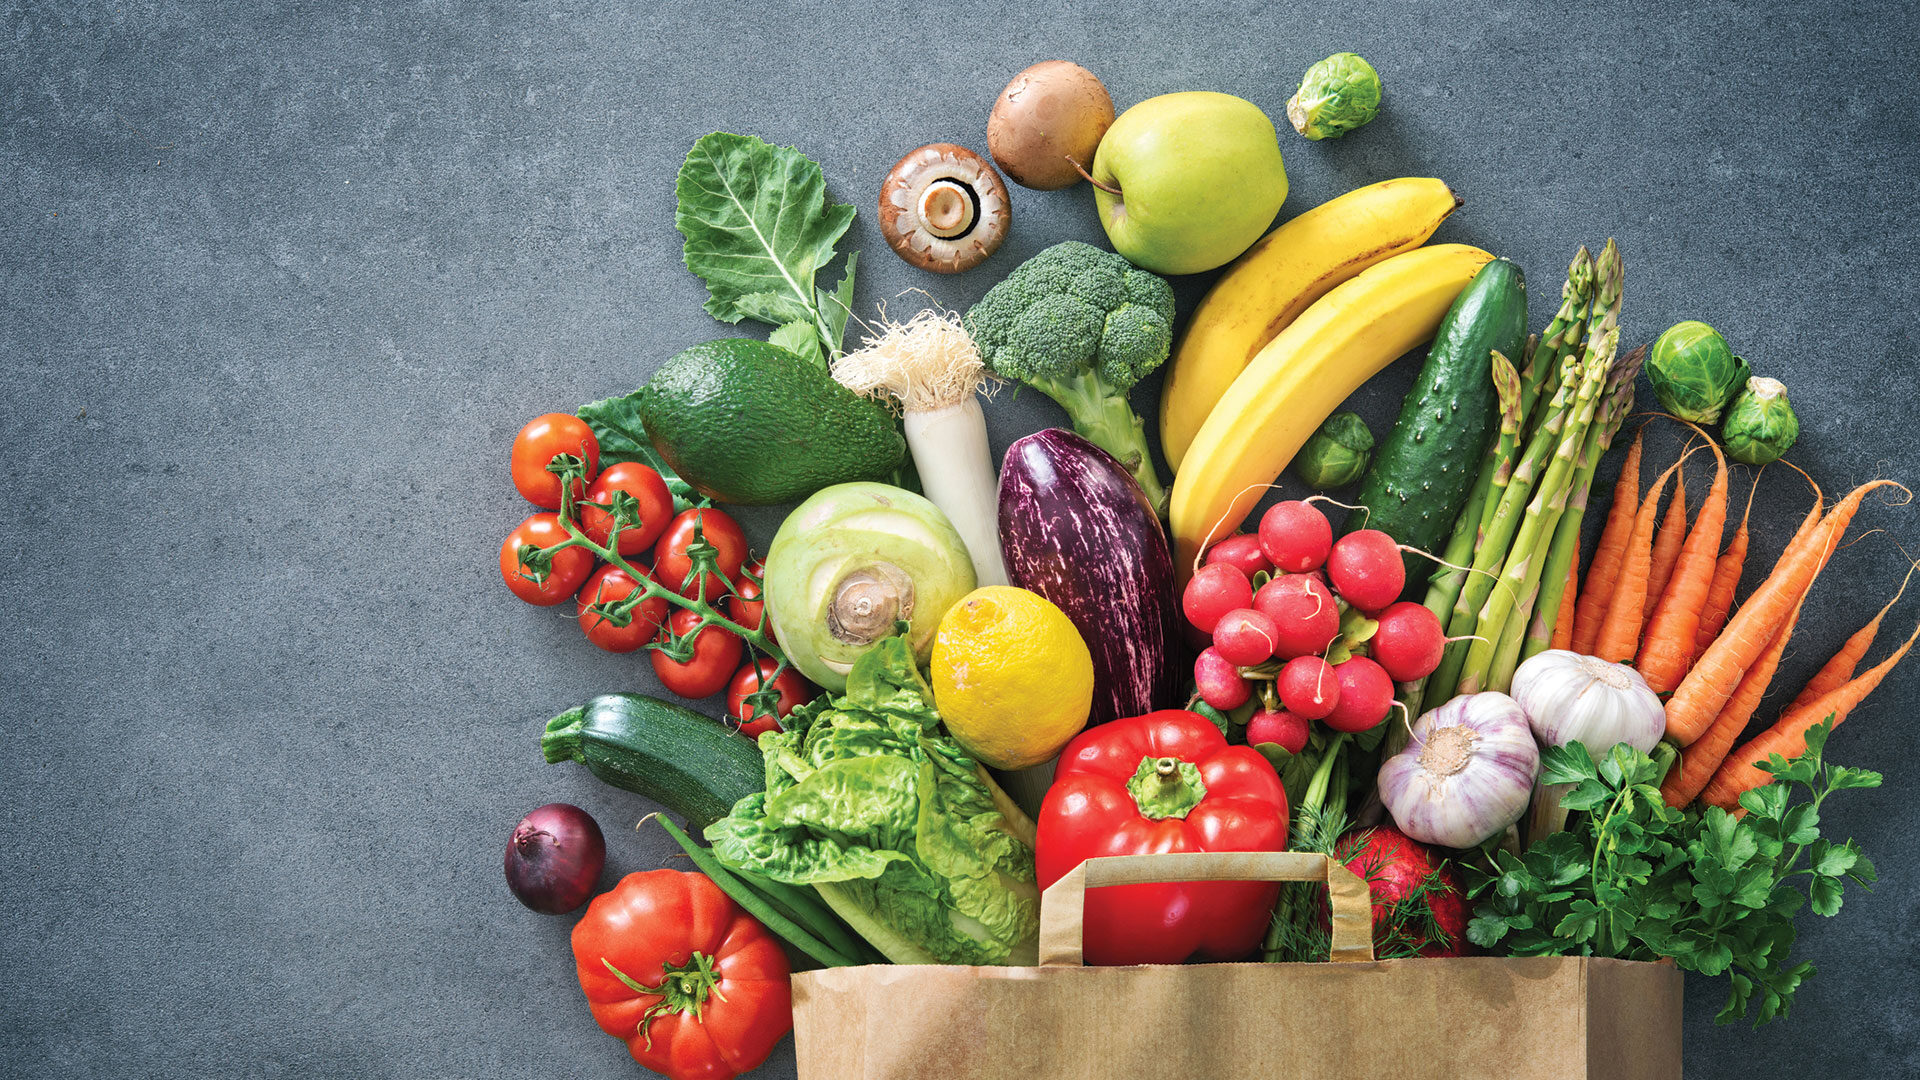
(279, 281)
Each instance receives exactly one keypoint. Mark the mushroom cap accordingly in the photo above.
(944, 208)
(1051, 115)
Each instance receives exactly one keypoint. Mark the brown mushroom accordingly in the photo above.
(1047, 123)
(943, 208)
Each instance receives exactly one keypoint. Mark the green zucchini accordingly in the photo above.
(691, 764)
(1424, 469)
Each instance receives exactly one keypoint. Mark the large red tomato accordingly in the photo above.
(696, 987)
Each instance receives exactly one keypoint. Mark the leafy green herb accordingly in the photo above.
(1639, 880)
(758, 228)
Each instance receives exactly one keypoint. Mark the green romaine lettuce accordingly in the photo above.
(904, 835)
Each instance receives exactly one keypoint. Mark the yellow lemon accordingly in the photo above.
(1011, 676)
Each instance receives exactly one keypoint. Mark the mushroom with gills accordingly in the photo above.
(943, 208)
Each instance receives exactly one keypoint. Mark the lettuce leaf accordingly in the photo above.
(758, 228)
(903, 833)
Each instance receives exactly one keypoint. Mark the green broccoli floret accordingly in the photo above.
(1082, 325)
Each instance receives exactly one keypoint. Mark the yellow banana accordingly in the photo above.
(1301, 376)
(1269, 286)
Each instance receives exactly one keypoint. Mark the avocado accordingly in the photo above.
(750, 423)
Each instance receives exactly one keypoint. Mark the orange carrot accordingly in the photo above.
(1726, 580)
(1699, 761)
(1788, 738)
(1667, 644)
(1666, 546)
(1620, 633)
(1591, 611)
(1563, 622)
(1713, 679)
(1836, 671)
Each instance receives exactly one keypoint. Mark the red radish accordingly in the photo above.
(1366, 695)
(1295, 536)
(1286, 730)
(1242, 551)
(1308, 687)
(1215, 589)
(1419, 908)
(1366, 570)
(1409, 641)
(1219, 681)
(1305, 617)
(1245, 637)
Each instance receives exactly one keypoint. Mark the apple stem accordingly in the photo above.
(1082, 170)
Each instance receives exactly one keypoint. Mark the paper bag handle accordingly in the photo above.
(1063, 905)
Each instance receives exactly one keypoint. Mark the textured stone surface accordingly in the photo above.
(280, 281)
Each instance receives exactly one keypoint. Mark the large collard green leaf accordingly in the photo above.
(758, 229)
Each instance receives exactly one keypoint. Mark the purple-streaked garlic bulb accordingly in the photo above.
(1466, 774)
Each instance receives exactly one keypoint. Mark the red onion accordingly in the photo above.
(555, 858)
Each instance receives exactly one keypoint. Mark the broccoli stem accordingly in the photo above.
(1101, 414)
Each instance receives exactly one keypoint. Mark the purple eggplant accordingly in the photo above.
(1076, 528)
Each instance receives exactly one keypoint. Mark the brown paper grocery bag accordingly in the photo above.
(1535, 1018)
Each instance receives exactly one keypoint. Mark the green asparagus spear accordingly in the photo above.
(1564, 333)
(1566, 538)
(1490, 552)
(1520, 575)
(1507, 442)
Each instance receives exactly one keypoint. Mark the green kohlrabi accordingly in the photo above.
(902, 834)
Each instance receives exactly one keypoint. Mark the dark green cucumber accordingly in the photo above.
(1424, 469)
(691, 764)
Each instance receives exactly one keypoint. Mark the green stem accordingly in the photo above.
(755, 904)
(1103, 416)
(758, 637)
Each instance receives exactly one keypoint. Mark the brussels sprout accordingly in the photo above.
(1694, 373)
(1338, 94)
(1760, 423)
(1337, 454)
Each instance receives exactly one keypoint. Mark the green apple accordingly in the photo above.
(1199, 180)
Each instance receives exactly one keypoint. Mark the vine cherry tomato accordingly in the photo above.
(673, 568)
(745, 606)
(569, 567)
(607, 585)
(647, 489)
(750, 679)
(716, 653)
(544, 438)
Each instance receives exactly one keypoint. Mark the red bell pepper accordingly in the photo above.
(695, 985)
(1166, 781)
